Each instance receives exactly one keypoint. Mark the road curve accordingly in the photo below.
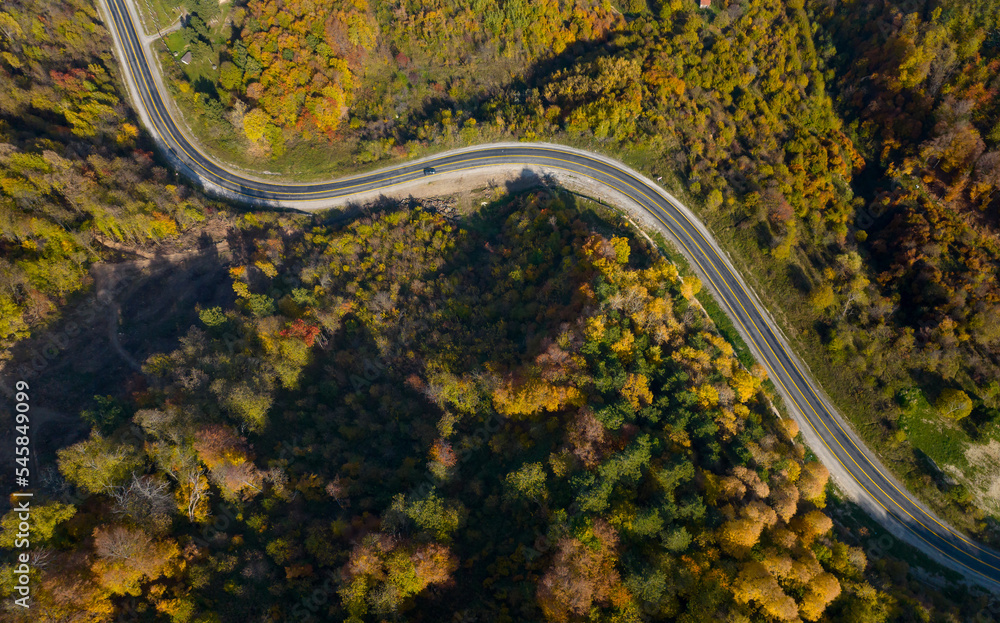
(853, 466)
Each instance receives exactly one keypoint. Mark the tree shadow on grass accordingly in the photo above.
(799, 278)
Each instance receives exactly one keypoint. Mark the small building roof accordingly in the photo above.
(186, 59)
(706, 3)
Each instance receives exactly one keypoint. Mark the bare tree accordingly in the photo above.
(337, 490)
(121, 544)
(145, 500)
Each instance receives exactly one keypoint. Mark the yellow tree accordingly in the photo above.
(777, 562)
(812, 525)
(790, 428)
(755, 583)
(804, 568)
(744, 384)
(636, 390)
(708, 396)
(97, 464)
(785, 500)
(820, 591)
(737, 536)
(690, 288)
(255, 124)
(812, 483)
(822, 297)
(128, 556)
(953, 404)
(533, 396)
(66, 592)
(752, 480)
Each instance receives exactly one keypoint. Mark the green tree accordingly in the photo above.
(230, 76)
(196, 30)
(106, 415)
(207, 9)
(382, 573)
(212, 316)
(714, 199)
(98, 463)
(260, 305)
(527, 482)
(431, 514)
(246, 400)
(43, 519)
(822, 297)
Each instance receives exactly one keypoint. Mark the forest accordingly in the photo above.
(77, 179)
(852, 165)
(525, 412)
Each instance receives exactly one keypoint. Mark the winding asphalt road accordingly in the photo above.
(853, 466)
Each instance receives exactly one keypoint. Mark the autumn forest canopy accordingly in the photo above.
(848, 152)
(525, 411)
(515, 417)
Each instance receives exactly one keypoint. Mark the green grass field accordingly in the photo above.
(943, 441)
(175, 42)
(972, 463)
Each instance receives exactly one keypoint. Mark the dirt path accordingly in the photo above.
(108, 279)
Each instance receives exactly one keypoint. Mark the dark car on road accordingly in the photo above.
(429, 171)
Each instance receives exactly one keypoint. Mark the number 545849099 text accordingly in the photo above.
(22, 440)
